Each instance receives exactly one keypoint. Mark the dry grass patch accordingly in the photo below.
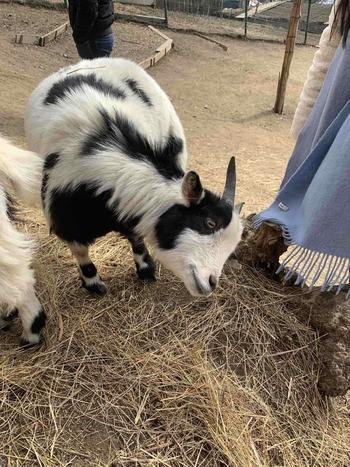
(149, 376)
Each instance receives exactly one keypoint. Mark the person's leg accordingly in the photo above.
(102, 46)
(84, 51)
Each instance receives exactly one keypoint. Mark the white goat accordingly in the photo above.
(115, 158)
(21, 171)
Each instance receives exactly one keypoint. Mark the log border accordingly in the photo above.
(35, 39)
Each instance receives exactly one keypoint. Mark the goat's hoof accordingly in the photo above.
(99, 288)
(146, 275)
(25, 344)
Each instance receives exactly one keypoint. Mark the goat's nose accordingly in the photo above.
(212, 281)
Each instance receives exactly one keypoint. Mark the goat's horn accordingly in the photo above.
(230, 184)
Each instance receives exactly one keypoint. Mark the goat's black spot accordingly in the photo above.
(178, 218)
(137, 245)
(136, 89)
(138, 248)
(88, 270)
(68, 84)
(11, 210)
(44, 187)
(81, 215)
(120, 133)
(51, 160)
(39, 322)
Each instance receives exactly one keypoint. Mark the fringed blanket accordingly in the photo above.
(313, 204)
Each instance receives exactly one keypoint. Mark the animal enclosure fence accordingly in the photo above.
(255, 19)
(249, 18)
(194, 7)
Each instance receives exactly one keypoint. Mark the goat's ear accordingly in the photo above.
(192, 189)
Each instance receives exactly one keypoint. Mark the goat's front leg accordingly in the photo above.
(33, 318)
(145, 266)
(88, 272)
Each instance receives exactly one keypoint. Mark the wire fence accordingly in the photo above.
(194, 7)
(253, 19)
(258, 19)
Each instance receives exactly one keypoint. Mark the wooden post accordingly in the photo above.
(307, 22)
(288, 55)
(166, 12)
(246, 2)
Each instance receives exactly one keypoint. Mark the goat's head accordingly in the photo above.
(196, 238)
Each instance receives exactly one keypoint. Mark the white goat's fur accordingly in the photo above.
(21, 172)
(138, 187)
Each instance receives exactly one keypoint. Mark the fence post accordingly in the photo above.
(166, 12)
(288, 55)
(307, 22)
(246, 17)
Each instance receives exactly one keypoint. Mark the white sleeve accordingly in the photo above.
(316, 74)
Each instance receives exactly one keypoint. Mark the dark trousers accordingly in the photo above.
(100, 47)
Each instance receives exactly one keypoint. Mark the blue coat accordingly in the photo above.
(313, 203)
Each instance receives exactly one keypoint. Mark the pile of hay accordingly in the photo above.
(149, 376)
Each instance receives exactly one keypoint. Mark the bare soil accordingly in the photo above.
(224, 98)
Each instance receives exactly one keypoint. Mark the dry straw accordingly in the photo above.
(148, 376)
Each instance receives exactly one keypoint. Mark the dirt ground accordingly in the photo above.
(224, 100)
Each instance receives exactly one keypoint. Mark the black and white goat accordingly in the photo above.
(115, 157)
(20, 171)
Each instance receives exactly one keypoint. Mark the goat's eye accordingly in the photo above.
(210, 223)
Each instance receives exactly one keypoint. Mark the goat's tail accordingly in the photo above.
(22, 170)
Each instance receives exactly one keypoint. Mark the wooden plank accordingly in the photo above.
(288, 55)
(30, 39)
(52, 35)
(146, 63)
(140, 18)
(159, 55)
(223, 46)
(160, 33)
(137, 2)
(34, 39)
(160, 52)
(261, 8)
(151, 61)
(167, 45)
